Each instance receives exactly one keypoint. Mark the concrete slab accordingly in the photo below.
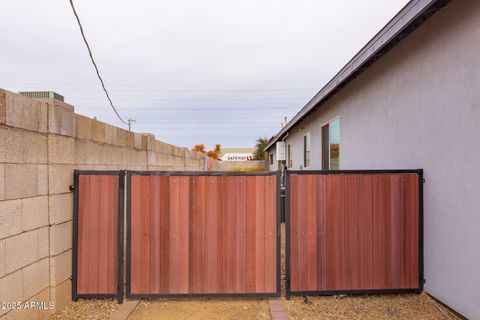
(125, 309)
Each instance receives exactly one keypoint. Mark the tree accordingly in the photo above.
(259, 153)
(214, 154)
(199, 148)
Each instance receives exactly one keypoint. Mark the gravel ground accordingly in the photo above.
(404, 307)
(100, 309)
(371, 307)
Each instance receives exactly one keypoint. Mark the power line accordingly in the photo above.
(196, 99)
(183, 91)
(183, 83)
(94, 64)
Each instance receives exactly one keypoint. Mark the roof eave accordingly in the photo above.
(413, 14)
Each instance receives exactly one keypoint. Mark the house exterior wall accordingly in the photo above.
(274, 165)
(419, 107)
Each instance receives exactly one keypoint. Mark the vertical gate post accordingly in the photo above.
(287, 234)
(421, 279)
(121, 217)
(129, 231)
(280, 211)
(75, 236)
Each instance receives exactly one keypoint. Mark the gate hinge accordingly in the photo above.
(71, 187)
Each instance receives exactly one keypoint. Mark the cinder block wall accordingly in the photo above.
(41, 143)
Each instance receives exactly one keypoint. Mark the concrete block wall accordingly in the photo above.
(41, 143)
(24, 204)
(235, 165)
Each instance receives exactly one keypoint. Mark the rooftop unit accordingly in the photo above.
(42, 95)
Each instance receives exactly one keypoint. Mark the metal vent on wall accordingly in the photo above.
(42, 95)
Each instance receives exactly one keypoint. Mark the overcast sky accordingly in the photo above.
(189, 71)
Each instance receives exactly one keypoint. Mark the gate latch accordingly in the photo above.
(71, 187)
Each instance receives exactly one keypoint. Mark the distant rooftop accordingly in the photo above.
(237, 150)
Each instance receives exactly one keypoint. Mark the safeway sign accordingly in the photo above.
(237, 157)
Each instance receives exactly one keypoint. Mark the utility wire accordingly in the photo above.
(199, 83)
(94, 64)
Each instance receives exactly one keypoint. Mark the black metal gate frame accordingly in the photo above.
(121, 195)
(207, 174)
(421, 181)
(289, 293)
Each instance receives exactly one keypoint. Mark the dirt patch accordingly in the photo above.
(211, 309)
(404, 307)
(100, 309)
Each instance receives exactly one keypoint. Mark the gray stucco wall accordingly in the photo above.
(419, 107)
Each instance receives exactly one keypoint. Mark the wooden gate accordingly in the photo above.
(202, 234)
(97, 234)
(354, 231)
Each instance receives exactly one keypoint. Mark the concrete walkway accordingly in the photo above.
(275, 305)
(277, 309)
(125, 310)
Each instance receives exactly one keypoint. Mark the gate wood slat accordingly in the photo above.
(202, 234)
(241, 225)
(231, 240)
(164, 227)
(260, 234)
(145, 258)
(353, 232)
(197, 240)
(270, 234)
(321, 233)
(311, 231)
(156, 234)
(211, 234)
(222, 236)
(366, 231)
(293, 276)
(301, 242)
(174, 248)
(184, 261)
(97, 250)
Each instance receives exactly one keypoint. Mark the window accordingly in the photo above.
(271, 158)
(331, 145)
(307, 148)
(325, 146)
(289, 157)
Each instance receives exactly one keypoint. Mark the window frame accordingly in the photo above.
(289, 155)
(325, 156)
(306, 142)
(324, 124)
